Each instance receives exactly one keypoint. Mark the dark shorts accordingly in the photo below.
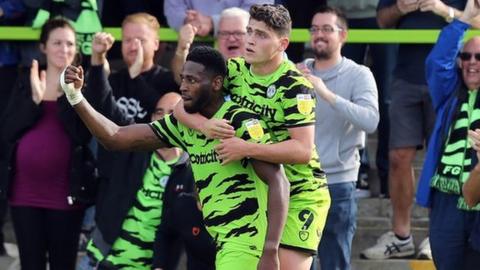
(411, 115)
(450, 231)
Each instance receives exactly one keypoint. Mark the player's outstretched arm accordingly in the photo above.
(114, 137)
(277, 208)
(109, 134)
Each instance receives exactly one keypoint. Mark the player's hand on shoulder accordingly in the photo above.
(217, 129)
(231, 149)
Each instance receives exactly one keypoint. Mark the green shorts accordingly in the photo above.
(305, 222)
(237, 258)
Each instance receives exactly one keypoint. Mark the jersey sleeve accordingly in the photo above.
(168, 131)
(298, 102)
(249, 127)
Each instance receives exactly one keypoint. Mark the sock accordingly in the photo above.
(401, 238)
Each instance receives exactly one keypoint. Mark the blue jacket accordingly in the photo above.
(12, 10)
(443, 79)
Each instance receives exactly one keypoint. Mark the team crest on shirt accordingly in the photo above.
(304, 103)
(303, 235)
(254, 129)
(271, 91)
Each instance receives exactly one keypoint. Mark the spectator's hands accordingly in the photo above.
(472, 9)
(38, 83)
(186, 36)
(203, 23)
(74, 75)
(435, 6)
(319, 86)
(136, 68)
(407, 6)
(101, 44)
(217, 129)
(231, 149)
(269, 260)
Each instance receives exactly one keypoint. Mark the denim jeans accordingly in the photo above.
(336, 243)
(450, 230)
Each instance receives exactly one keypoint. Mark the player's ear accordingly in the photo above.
(217, 83)
(284, 41)
(42, 48)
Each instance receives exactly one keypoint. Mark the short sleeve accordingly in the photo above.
(167, 130)
(298, 104)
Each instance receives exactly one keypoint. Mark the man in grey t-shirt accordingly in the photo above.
(347, 108)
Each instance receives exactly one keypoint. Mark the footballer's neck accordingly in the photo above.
(209, 110)
(268, 67)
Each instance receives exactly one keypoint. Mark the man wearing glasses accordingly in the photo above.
(232, 28)
(453, 77)
(347, 108)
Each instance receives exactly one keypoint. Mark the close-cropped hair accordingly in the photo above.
(51, 25)
(276, 17)
(210, 58)
(142, 18)
(342, 20)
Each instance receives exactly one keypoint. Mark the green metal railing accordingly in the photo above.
(298, 35)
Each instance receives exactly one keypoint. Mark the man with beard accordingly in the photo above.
(347, 108)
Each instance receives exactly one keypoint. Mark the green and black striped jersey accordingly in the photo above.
(283, 99)
(233, 198)
(133, 249)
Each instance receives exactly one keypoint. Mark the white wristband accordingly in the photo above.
(74, 96)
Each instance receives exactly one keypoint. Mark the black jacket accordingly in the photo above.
(121, 173)
(20, 115)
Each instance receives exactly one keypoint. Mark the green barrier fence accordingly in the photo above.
(298, 35)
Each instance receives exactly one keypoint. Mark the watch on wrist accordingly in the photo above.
(451, 15)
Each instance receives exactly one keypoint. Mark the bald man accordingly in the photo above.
(453, 76)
